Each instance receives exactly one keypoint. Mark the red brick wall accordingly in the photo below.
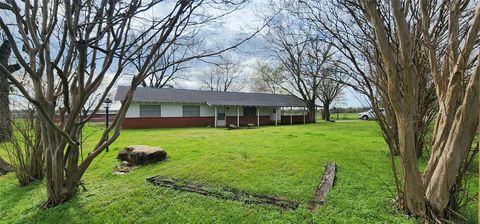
(296, 119)
(167, 122)
(244, 120)
(173, 122)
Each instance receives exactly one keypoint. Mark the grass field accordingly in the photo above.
(285, 161)
(344, 116)
(340, 116)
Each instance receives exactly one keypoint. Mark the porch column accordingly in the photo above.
(258, 116)
(276, 116)
(291, 108)
(238, 116)
(303, 111)
(215, 116)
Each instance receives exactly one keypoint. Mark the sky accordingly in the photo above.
(233, 28)
(239, 24)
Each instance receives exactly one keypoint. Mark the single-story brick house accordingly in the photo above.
(158, 108)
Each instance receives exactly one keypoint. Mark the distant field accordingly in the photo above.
(344, 116)
(285, 161)
(340, 116)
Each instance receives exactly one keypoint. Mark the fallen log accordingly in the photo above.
(326, 183)
(224, 193)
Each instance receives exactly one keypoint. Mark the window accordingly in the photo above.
(249, 111)
(191, 111)
(150, 111)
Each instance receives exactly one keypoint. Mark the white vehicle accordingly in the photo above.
(369, 114)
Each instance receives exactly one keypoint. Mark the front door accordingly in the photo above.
(274, 115)
(221, 117)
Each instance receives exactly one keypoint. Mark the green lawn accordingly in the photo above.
(286, 161)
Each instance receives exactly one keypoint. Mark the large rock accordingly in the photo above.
(142, 154)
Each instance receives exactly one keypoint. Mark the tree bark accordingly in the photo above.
(413, 185)
(311, 111)
(457, 144)
(401, 78)
(5, 115)
(326, 111)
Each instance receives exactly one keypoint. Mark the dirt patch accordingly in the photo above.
(224, 193)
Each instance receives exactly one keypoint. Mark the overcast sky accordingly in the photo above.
(234, 27)
(239, 24)
(231, 29)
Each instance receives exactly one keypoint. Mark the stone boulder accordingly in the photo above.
(142, 154)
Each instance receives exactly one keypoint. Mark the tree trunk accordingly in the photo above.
(459, 141)
(311, 111)
(55, 178)
(326, 111)
(54, 165)
(413, 186)
(36, 160)
(5, 116)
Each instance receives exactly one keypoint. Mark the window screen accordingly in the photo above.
(191, 111)
(150, 111)
(249, 111)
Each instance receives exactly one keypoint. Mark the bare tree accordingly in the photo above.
(330, 88)
(67, 49)
(302, 51)
(164, 71)
(456, 86)
(267, 78)
(226, 76)
(377, 49)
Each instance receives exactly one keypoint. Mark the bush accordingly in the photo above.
(24, 149)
